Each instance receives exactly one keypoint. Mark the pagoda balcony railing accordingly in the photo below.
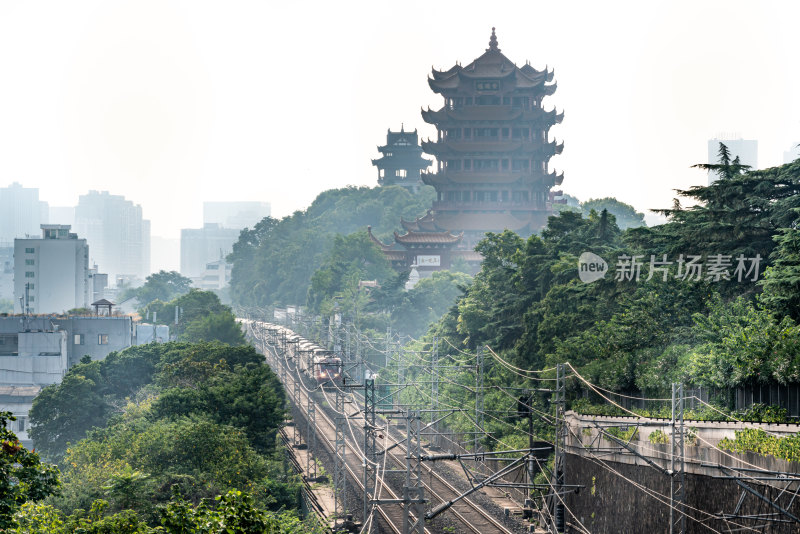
(485, 205)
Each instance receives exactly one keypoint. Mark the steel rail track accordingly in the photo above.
(392, 515)
(446, 491)
(457, 509)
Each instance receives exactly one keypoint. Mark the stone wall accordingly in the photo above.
(613, 500)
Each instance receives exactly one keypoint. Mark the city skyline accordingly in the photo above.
(170, 104)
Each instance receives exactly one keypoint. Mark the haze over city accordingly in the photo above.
(173, 103)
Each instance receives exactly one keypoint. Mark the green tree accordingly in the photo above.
(23, 477)
(163, 286)
(274, 262)
(92, 391)
(626, 215)
(220, 326)
(782, 281)
(353, 258)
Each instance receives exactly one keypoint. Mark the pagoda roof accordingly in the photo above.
(490, 113)
(426, 223)
(428, 238)
(401, 138)
(494, 65)
(416, 160)
(377, 241)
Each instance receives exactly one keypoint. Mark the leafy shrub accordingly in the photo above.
(758, 441)
(763, 413)
(658, 437)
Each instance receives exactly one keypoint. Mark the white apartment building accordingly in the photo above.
(216, 275)
(51, 273)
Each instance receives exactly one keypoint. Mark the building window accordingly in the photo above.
(28, 262)
(31, 286)
(102, 339)
(77, 339)
(467, 164)
(31, 299)
(400, 173)
(30, 250)
(29, 274)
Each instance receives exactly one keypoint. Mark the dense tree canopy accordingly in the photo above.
(23, 477)
(163, 286)
(155, 433)
(200, 317)
(655, 325)
(273, 263)
(625, 214)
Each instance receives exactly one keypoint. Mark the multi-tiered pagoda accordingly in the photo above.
(492, 150)
(402, 162)
(492, 146)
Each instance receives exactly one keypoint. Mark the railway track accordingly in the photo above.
(470, 516)
(467, 511)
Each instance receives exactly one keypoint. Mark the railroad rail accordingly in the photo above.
(468, 514)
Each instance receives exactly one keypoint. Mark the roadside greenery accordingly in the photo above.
(758, 441)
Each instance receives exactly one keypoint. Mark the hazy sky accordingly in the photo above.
(173, 103)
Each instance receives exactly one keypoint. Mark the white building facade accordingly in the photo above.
(51, 273)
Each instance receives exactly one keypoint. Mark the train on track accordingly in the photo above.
(316, 362)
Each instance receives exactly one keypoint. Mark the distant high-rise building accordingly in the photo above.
(62, 215)
(402, 162)
(745, 149)
(51, 273)
(792, 154)
(204, 245)
(239, 214)
(21, 213)
(117, 234)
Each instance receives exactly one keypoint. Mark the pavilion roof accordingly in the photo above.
(490, 113)
(492, 64)
(427, 238)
